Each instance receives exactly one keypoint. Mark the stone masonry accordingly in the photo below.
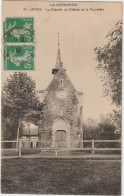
(62, 113)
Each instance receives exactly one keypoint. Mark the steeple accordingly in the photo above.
(59, 63)
(58, 60)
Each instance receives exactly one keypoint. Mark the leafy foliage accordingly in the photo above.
(91, 130)
(110, 64)
(19, 94)
(107, 127)
(102, 129)
(9, 127)
(115, 119)
(19, 98)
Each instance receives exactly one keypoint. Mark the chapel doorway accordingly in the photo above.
(61, 138)
(61, 133)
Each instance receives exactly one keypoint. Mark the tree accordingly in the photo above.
(115, 119)
(19, 98)
(91, 129)
(110, 64)
(100, 129)
(107, 127)
(9, 127)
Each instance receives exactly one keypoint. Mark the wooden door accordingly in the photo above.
(61, 138)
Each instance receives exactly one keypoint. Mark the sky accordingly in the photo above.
(80, 32)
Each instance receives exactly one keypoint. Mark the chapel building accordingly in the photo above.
(61, 122)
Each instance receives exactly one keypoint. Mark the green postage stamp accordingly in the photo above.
(19, 57)
(18, 30)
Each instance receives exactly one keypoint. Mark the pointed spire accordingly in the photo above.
(59, 63)
(58, 60)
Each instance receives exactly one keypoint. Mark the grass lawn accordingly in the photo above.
(61, 176)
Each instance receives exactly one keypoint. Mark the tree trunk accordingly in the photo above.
(18, 128)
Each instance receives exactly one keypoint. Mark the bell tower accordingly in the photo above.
(59, 63)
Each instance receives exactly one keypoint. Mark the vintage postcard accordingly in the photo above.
(61, 92)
